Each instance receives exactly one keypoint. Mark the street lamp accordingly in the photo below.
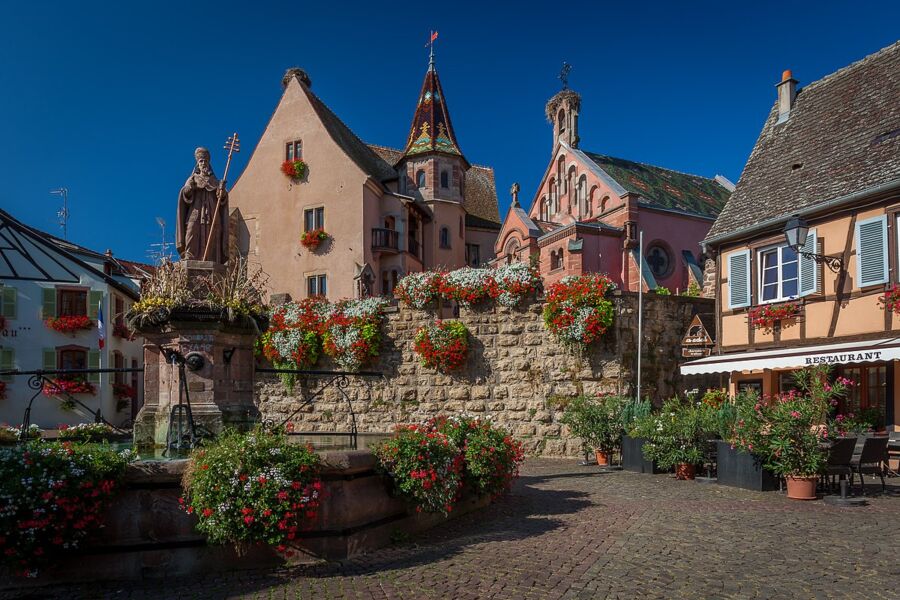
(796, 231)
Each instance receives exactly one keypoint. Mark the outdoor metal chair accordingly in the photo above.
(840, 459)
(871, 461)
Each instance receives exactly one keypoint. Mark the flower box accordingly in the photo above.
(312, 238)
(123, 391)
(443, 346)
(633, 456)
(121, 330)
(737, 468)
(891, 299)
(69, 324)
(295, 169)
(766, 315)
(68, 385)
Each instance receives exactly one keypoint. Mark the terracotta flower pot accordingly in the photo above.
(801, 488)
(602, 458)
(685, 471)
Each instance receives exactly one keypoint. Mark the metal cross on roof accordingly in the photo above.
(564, 75)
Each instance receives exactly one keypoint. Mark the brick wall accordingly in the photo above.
(516, 373)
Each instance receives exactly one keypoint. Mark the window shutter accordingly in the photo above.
(739, 279)
(7, 362)
(8, 307)
(871, 251)
(94, 299)
(48, 298)
(94, 363)
(808, 270)
(49, 358)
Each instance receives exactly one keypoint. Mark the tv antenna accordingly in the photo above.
(160, 250)
(63, 213)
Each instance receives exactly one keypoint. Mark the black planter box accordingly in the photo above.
(739, 469)
(633, 456)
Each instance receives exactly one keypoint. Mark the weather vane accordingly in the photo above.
(564, 75)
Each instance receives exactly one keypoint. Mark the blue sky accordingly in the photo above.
(110, 100)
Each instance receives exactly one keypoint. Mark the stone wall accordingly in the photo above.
(516, 373)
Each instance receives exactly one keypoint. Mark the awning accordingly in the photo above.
(792, 358)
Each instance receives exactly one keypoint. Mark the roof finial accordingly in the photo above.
(430, 43)
(514, 190)
(564, 75)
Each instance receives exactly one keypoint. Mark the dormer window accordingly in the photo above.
(420, 179)
(293, 150)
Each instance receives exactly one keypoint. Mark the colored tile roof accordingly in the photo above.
(842, 136)
(665, 188)
(481, 192)
(431, 129)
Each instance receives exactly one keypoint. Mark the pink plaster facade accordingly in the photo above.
(583, 219)
(380, 221)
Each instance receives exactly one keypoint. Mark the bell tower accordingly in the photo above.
(562, 111)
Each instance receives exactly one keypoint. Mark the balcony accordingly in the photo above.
(385, 239)
(414, 248)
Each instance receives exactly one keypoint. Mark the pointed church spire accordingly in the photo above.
(431, 129)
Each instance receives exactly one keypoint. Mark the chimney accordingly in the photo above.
(787, 93)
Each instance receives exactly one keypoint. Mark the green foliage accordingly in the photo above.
(678, 434)
(425, 467)
(693, 290)
(662, 291)
(787, 431)
(491, 458)
(54, 496)
(252, 487)
(634, 411)
(597, 421)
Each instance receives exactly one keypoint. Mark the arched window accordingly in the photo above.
(571, 187)
(560, 171)
(445, 180)
(604, 204)
(591, 199)
(420, 179)
(512, 251)
(445, 237)
(552, 193)
(561, 120)
(556, 259)
(582, 196)
(544, 210)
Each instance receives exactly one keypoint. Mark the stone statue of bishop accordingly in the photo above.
(202, 232)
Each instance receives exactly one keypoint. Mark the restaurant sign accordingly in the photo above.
(696, 342)
(844, 357)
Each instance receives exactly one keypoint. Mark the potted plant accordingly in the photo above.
(633, 445)
(788, 430)
(598, 422)
(295, 169)
(738, 463)
(443, 346)
(676, 436)
(312, 238)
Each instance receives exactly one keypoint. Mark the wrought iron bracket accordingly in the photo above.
(834, 263)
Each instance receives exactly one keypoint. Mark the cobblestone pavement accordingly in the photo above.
(572, 532)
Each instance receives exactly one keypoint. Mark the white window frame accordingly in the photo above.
(317, 279)
(760, 268)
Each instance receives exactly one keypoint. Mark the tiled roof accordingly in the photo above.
(665, 188)
(842, 136)
(481, 192)
(369, 161)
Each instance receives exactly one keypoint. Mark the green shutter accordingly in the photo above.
(94, 299)
(49, 302)
(8, 302)
(49, 359)
(7, 362)
(94, 363)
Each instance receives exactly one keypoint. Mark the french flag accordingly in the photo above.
(101, 330)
